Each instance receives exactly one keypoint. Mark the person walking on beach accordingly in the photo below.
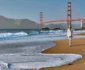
(69, 35)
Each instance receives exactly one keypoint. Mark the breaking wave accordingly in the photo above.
(11, 35)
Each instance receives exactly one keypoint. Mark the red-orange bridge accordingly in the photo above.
(68, 20)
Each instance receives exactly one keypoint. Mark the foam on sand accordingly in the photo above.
(36, 61)
(56, 60)
(33, 59)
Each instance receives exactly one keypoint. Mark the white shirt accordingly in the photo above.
(69, 32)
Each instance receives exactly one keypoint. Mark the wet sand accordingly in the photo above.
(78, 47)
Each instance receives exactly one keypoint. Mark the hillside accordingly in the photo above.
(7, 23)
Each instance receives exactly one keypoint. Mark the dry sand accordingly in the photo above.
(61, 46)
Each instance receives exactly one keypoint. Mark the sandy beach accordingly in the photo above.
(61, 46)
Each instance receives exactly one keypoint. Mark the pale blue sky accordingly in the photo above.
(52, 9)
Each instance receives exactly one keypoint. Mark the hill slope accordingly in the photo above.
(6, 23)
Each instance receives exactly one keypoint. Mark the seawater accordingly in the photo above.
(6, 34)
(33, 33)
(17, 30)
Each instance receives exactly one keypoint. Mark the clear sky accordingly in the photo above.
(52, 9)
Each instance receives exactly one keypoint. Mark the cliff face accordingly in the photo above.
(6, 23)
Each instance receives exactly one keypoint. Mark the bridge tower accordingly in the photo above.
(41, 19)
(83, 23)
(69, 14)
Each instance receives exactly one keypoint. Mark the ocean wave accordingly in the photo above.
(37, 33)
(10, 35)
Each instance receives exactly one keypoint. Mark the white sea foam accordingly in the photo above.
(36, 61)
(4, 35)
(28, 56)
